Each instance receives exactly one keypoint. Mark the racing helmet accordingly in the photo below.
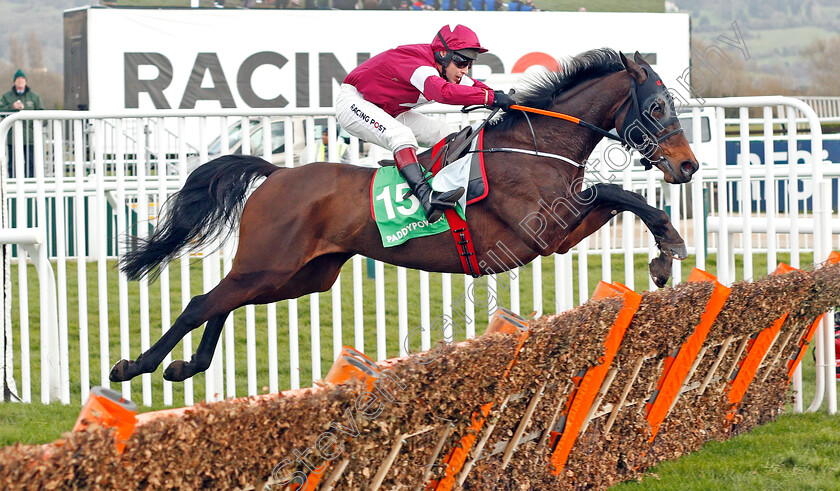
(460, 41)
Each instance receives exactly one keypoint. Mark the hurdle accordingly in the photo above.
(627, 379)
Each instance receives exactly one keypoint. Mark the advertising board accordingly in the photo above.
(265, 58)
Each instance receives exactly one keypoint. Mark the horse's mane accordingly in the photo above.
(541, 88)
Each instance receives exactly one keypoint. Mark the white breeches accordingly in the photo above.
(369, 122)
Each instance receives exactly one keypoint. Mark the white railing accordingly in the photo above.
(823, 106)
(795, 205)
(104, 183)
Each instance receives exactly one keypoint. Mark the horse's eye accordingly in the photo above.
(657, 107)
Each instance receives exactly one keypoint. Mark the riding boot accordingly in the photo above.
(434, 203)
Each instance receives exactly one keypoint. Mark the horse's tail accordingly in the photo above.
(209, 204)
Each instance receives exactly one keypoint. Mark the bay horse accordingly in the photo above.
(301, 224)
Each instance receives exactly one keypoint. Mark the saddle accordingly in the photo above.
(444, 151)
(468, 171)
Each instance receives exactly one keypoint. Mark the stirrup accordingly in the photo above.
(447, 199)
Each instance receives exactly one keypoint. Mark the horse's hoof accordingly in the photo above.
(660, 270)
(177, 371)
(675, 251)
(119, 372)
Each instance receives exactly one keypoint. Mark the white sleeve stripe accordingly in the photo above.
(465, 80)
(418, 78)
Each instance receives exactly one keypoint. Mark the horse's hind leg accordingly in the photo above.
(317, 275)
(180, 370)
(148, 362)
(232, 292)
(229, 294)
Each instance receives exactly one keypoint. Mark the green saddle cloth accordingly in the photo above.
(400, 219)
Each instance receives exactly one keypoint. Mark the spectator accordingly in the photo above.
(21, 97)
(523, 6)
(455, 5)
(322, 152)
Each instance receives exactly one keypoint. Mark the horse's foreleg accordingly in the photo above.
(148, 362)
(669, 241)
(590, 223)
(660, 269)
(595, 209)
(617, 200)
(180, 370)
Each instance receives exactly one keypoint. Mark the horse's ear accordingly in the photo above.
(624, 60)
(639, 59)
(633, 69)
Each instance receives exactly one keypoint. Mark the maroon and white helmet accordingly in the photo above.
(461, 40)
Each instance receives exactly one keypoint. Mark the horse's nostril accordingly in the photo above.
(688, 167)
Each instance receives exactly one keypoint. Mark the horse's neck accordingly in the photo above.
(596, 102)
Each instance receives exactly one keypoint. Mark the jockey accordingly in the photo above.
(377, 99)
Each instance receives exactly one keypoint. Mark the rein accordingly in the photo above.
(553, 114)
(633, 111)
(536, 151)
(572, 119)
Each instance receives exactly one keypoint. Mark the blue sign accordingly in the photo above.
(779, 156)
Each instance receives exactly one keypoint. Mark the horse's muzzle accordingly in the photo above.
(680, 174)
(688, 168)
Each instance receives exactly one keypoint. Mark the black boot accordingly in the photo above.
(433, 202)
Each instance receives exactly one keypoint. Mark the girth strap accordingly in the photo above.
(463, 243)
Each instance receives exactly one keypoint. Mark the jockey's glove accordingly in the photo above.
(502, 100)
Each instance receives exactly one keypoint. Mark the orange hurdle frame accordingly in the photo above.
(106, 407)
(806, 338)
(757, 350)
(676, 367)
(588, 386)
(350, 364)
(506, 322)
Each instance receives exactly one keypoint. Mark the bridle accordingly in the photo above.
(641, 130)
(651, 92)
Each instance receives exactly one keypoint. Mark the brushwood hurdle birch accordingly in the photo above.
(588, 397)
(101, 175)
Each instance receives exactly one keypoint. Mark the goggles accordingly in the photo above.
(461, 61)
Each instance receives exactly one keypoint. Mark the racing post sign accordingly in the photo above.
(266, 58)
